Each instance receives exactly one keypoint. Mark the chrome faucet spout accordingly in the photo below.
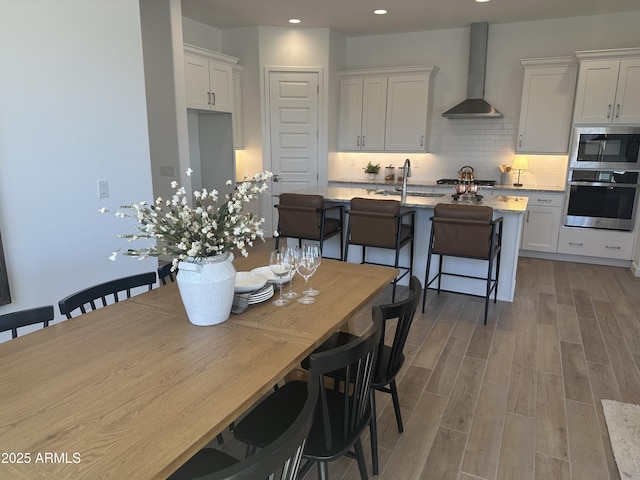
(406, 172)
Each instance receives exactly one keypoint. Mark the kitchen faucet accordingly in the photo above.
(406, 168)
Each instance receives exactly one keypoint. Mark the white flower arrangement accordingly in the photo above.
(205, 229)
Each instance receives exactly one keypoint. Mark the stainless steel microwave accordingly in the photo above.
(608, 147)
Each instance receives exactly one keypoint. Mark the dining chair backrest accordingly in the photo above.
(88, 298)
(14, 320)
(165, 274)
(389, 363)
(284, 454)
(357, 360)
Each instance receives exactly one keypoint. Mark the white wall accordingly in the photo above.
(73, 111)
(482, 143)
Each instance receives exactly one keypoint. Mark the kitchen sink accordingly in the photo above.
(410, 194)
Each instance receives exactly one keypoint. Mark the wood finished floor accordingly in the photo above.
(520, 397)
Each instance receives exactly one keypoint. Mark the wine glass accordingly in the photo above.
(314, 253)
(305, 266)
(292, 253)
(279, 266)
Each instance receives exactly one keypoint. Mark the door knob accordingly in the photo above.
(276, 178)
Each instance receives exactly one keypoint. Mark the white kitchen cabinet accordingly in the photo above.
(596, 243)
(386, 109)
(238, 132)
(407, 113)
(547, 104)
(363, 103)
(607, 90)
(542, 222)
(208, 79)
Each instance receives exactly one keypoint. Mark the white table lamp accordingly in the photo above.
(520, 163)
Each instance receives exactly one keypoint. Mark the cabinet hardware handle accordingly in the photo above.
(609, 112)
(422, 141)
(276, 178)
(528, 212)
(612, 247)
(544, 200)
(358, 141)
(618, 111)
(363, 140)
(208, 98)
(213, 96)
(573, 244)
(520, 140)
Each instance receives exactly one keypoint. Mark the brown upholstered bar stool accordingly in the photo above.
(380, 224)
(305, 217)
(465, 231)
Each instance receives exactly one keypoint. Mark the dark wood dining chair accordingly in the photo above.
(465, 231)
(284, 454)
(390, 357)
(305, 217)
(341, 417)
(87, 299)
(14, 320)
(381, 224)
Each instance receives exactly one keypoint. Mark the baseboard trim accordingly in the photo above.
(563, 257)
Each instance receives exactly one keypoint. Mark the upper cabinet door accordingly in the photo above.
(374, 107)
(221, 83)
(547, 104)
(596, 92)
(350, 122)
(407, 113)
(196, 71)
(627, 105)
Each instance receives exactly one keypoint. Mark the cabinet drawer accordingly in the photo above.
(596, 243)
(545, 199)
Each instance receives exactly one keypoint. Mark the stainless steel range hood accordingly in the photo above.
(475, 106)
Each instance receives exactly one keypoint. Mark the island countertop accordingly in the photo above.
(500, 203)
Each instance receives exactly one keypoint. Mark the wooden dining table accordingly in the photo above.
(133, 390)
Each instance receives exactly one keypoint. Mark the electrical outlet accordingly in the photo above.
(103, 189)
(353, 161)
(416, 163)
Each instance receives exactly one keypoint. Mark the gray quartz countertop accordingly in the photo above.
(421, 183)
(500, 203)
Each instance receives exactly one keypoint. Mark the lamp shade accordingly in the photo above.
(520, 162)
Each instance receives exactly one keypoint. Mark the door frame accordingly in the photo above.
(323, 156)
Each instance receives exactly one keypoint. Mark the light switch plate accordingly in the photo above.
(103, 188)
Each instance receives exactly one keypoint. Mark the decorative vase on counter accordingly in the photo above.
(372, 176)
(207, 287)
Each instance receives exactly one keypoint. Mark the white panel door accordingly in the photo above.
(293, 122)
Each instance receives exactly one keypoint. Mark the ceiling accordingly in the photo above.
(355, 17)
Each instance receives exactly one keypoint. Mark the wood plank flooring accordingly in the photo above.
(520, 397)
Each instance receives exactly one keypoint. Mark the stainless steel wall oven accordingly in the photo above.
(603, 185)
(606, 199)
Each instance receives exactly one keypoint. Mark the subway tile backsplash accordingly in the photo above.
(483, 144)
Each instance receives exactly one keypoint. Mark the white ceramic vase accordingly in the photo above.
(207, 286)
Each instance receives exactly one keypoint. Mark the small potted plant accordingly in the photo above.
(372, 170)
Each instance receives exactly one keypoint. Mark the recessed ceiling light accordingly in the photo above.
(294, 20)
(380, 11)
(481, 1)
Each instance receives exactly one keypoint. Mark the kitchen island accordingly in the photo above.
(511, 208)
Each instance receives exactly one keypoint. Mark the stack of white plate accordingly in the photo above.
(271, 278)
(262, 295)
